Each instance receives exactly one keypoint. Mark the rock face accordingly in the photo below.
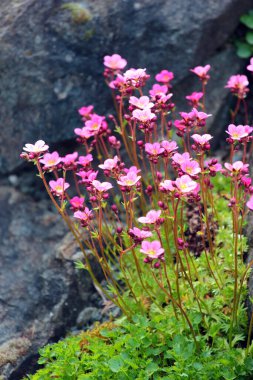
(41, 292)
(51, 56)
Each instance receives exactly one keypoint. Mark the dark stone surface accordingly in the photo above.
(41, 292)
(51, 57)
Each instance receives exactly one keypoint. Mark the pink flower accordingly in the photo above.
(238, 132)
(101, 186)
(76, 202)
(194, 98)
(237, 166)
(190, 167)
(95, 123)
(185, 184)
(136, 233)
(85, 160)
(129, 180)
(85, 216)
(214, 166)
(132, 169)
(51, 159)
(151, 218)
(142, 102)
(85, 111)
(59, 186)
(70, 159)
(250, 66)
(200, 116)
(158, 90)
(152, 249)
(201, 139)
(167, 185)
(110, 163)
(249, 204)
(169, 146)
(118, 83)
(154, 149)
(181, 158)
(115, 62)
(201, 72)
(164, 76)
(87, 176)
(39, 147)
(135, 77)
(238, 85)
(84, 132)
(143, 115)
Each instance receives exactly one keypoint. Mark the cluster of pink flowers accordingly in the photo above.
(238, 85)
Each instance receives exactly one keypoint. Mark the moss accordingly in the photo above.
(79, 14)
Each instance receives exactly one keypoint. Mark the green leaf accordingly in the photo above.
(115, 364)
(249, 37)
(247, 20)
(243, 50)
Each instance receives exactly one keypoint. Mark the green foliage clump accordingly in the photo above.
(245, 45)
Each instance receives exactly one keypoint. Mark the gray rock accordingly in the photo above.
(41, 292)
(51, 56)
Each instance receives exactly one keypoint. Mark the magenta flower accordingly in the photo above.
(238, 85)
(138, 234)
(198, 115)
(201, 139)
(167, 185)
(115, 62)
(154, 149)
(158, 90)
(85, 111)
(190, 167)
(118, 83)
(85, 216)
(185, 184)
(76, 202)
(152, 249)
(164, 76)
(85, 160)
(214, 166)
(70, 159)
(250, 66)
(194, 98)
(101, 187)
(37, 148)
(151, 218)
(84, 132)
(95, 123)
(201, 72)
(59, 186)
(169, 146)
(249, 204)
(50, 159)
(87, 176)
(129, 180)
(181, 158)
(142, 102)
(110, 163)
(238, 132)
(144, 115)
(237, 167)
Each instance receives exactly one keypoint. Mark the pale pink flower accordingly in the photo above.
(142, 102)
(201, 71)
(237, 166)
(135, 74)
(87, 176)
(249, 204)
(201, 139)
(101, 187)
(167, 185)
(95, 123)
(110, 163)
(194, 98)
(70, 159)
(84, 132)
(238, 132)
(250, 66)
(115, 62)
(143, 115)
(59, 186)
(154, 149)
(39, 147)
(85, 160)
(152, 249)
(85, 215)
(139, 234)
(238, 84)
(190, 167)
(199, 115)
(181, 158)
(164, 76)
(185, 184)
(151, 217)
(76, 202)
(158, 90)
(51, 159)
(117, 83)
(85, 111)
(132, 169)
(163, 98)
(129, 180)
(169, 146)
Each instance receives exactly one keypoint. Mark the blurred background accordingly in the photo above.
(51, 64)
